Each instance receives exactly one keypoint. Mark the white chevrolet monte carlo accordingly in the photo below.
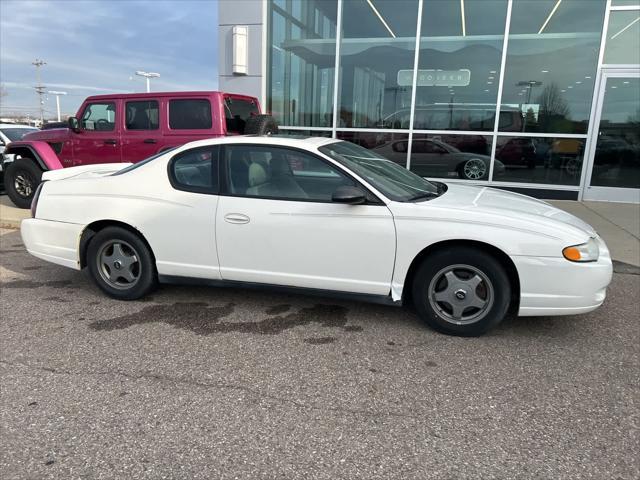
(318, 214)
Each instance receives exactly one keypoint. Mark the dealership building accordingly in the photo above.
(537, 96)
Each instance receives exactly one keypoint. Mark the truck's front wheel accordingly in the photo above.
(21, 179)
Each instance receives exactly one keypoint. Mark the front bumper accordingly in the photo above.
(55, 242)
(556, 286)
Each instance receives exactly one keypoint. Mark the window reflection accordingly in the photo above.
(540, 160)
(459, 65)
(390, 145)
(305, 133)
(453, 156)
(623, 38)
(617, 157)
(302, 60)
(551, 63)
(378, 45)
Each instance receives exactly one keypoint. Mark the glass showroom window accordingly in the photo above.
(305, 133)
(548, 160)
(302, 59)
(459, 65)
(391, 145)
(623, 38)
(551, 65)
(453, 156)
(376, 60)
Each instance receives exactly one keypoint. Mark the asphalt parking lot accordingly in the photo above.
(224, 383)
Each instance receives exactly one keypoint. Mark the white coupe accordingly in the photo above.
(318, 214)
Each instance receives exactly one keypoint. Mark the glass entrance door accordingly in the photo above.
(614, 159)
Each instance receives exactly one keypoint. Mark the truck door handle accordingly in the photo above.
(110, 141)
(237, 218)
(150, 140)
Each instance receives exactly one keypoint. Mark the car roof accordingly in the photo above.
(276, 140)
(203, 93)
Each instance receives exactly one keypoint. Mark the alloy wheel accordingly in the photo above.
(23, 184)
(461, 294)
(474, 169)
(118, 264)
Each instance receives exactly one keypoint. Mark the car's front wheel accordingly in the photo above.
(121, 264)
(21, 179)
(461, 291)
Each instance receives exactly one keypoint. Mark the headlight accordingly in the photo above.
(586, 252)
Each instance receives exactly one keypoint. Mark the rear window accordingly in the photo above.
(143, 162)
(190, 114)
(237, 111)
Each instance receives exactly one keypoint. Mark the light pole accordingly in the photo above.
(529, 84)
(39, 87)
(147, 75)
(57, 94)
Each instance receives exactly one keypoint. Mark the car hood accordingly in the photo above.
(490, 205)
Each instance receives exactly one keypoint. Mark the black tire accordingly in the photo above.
(494, 290)
(21, 179)
(261, 125)
(102, 246)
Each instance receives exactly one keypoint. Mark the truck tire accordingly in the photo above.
(261, 125)
(21, 178)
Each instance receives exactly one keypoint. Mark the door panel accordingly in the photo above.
(306, 244)
(99, 138)
(141, 136)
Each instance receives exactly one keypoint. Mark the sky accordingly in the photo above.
(94, 47)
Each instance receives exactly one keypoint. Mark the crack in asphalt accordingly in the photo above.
(216, 385)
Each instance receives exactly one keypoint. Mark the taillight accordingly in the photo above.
(34, 202)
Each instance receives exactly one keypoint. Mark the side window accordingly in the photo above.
(430, 147)
(99, 117)
(281, 173)
(190, 114)
(142, 115)
(195, 170)
(236, 113)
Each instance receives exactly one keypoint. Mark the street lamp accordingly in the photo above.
(147, 75)
(57, 94)
(529, 84)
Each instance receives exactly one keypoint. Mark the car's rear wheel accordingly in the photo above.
(121, 264)
(461, 291)
(21, 179)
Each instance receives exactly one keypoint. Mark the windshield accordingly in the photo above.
(143, 162)
(395, 182)
(15, 134)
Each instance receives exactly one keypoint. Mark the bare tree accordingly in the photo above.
(552, 103)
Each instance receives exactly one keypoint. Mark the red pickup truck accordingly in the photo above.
(128, 128)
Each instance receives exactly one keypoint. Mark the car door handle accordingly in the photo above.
(110, 141)
(150, 140)
(237, 218)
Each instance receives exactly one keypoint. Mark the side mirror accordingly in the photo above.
(349, 195)
(74, 124)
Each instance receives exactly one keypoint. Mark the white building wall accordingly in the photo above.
(230, 14)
